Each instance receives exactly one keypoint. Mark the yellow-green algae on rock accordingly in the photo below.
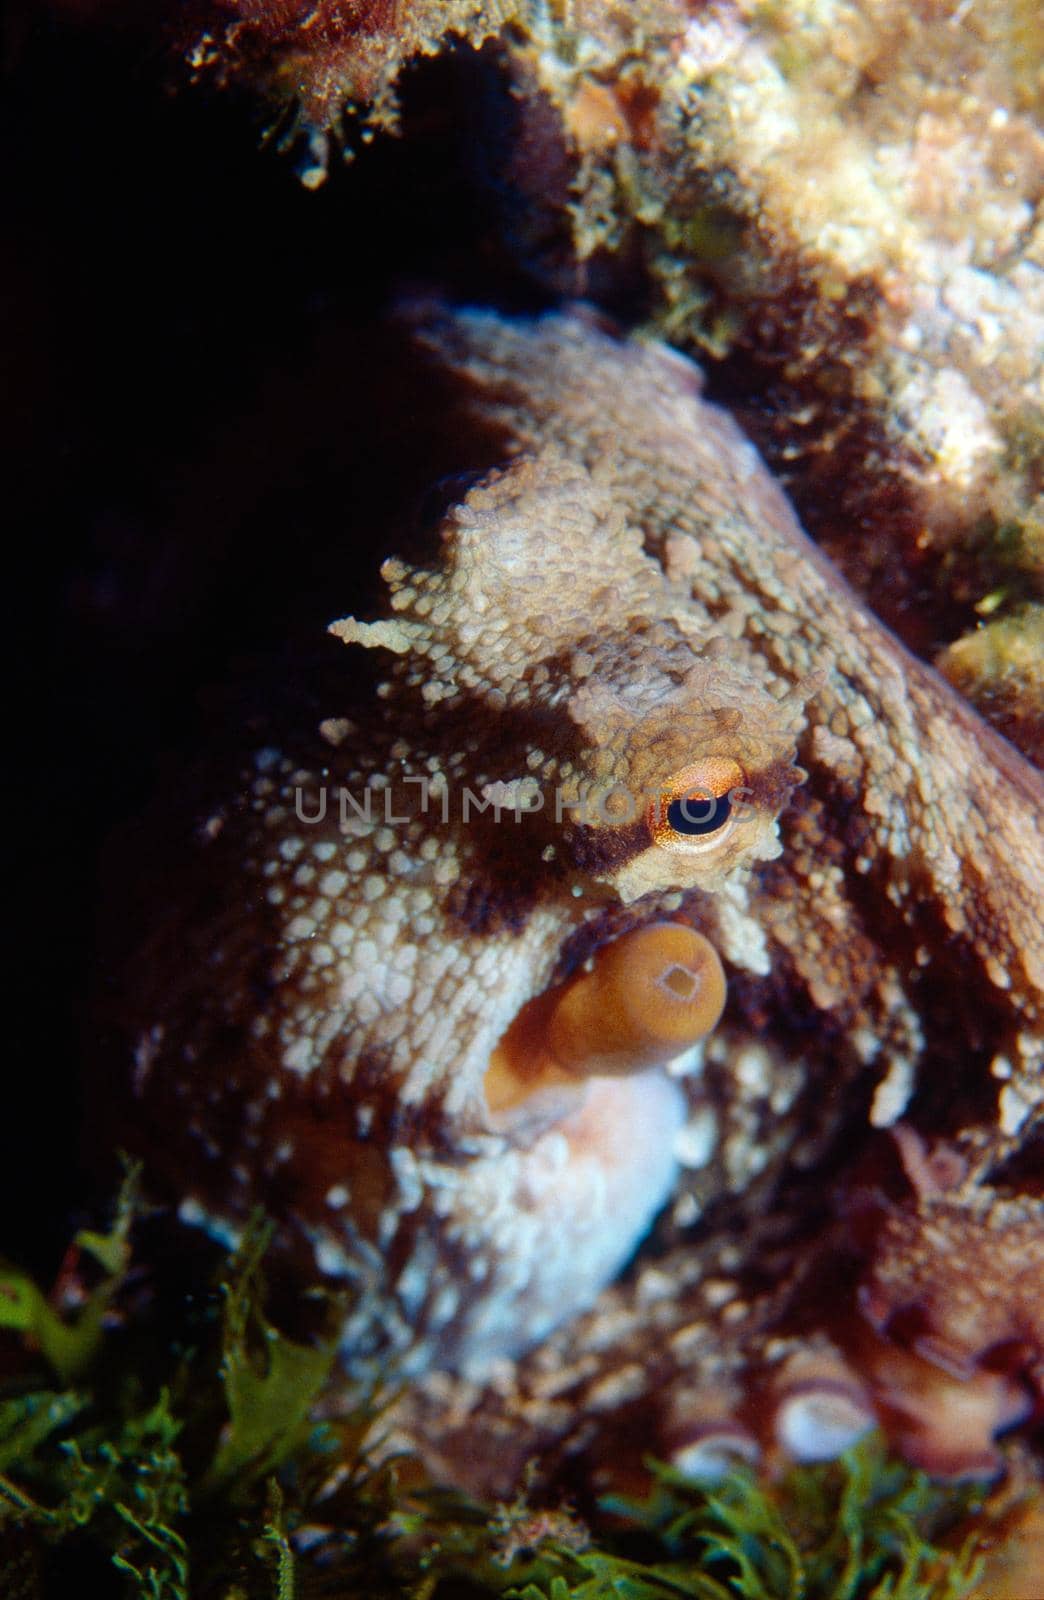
(1001, 668)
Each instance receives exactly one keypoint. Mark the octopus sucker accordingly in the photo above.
(654, 884)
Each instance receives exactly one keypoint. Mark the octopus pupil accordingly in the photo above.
(698, 814)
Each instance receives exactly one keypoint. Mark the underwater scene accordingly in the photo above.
(534, 802)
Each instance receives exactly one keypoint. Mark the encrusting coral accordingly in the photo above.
(628, 711)
(329, 59)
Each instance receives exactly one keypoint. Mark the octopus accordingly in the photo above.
(625, 987)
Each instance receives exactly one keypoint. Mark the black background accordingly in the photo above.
(206, 424)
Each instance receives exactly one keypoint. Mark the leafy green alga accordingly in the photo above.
(176, 1456)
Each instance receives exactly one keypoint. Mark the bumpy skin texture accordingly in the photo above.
(315, 1018)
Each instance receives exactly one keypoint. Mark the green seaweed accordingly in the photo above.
(858, 1529)
(270, 1382)
(124, 1483)
(70, 1344)
(202, 1472)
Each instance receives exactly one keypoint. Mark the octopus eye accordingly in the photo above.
(698, 814)
(694, 810)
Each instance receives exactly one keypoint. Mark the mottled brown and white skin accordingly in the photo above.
(441, 987)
